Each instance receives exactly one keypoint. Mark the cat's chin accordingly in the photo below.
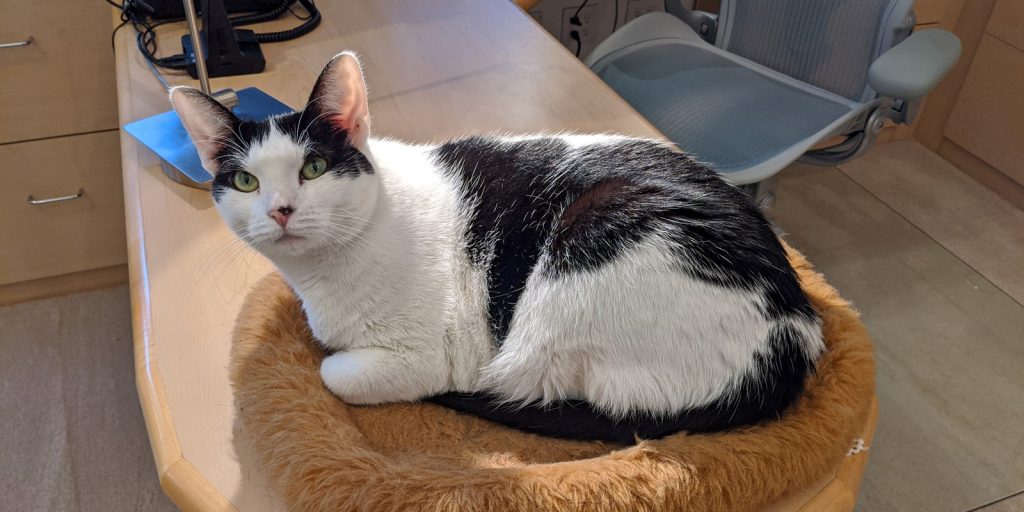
(288, 239)
(287, 244)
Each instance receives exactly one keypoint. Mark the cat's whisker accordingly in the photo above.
(350, 234)
(244, 250)
(355, 224)
(347, 215)
(219, 258)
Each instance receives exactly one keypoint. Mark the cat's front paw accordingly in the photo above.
(349, 375)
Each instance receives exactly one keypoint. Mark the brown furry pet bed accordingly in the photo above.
(322, 454)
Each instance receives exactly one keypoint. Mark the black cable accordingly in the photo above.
(293, 13)
(113, 35)
(575, 19)
(249, 19)
(124, 21)
(138, 14)
(306, 27)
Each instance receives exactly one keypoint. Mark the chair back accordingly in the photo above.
(826, 43)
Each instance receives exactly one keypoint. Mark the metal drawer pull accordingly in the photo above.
(18, 44)
(32, 200)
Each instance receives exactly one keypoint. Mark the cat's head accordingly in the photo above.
(294, 183)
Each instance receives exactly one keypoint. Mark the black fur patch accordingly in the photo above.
(582, 208)
(243, 135)
(326, 141)
(508, 184)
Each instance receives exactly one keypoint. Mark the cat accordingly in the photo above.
(581, 286)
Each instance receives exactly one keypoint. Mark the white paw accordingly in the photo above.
(349, 374)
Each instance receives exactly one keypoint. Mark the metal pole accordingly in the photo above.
(197, 48)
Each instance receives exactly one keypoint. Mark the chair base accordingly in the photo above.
(762, 192)
(855, 144)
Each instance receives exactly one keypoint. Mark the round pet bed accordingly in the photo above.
(322, 454)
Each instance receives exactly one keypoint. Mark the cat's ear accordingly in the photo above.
(209, 123)
(340, 97)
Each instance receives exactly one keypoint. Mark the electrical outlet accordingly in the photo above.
(597, 20)
(637, 8)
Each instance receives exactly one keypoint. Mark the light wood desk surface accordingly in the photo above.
(436, 69)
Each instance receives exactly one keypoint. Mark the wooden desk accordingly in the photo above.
(436, 69)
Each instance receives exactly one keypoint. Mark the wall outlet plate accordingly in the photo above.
(597, 20)
(637, 8)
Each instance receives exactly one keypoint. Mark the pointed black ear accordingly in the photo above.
(209, 123)
(340, 96)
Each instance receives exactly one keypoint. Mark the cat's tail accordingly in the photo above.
(569, 419)
(579, 420)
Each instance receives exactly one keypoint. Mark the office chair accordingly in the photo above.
(756, 87)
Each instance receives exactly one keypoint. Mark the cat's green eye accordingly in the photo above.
(244, 181)
(314, 168)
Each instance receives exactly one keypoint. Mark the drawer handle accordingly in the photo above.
(18, 44)
(61, 199)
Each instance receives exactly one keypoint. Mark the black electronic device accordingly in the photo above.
(173, 9)
(228, 51)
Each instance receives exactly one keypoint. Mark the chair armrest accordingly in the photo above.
(703, 23)
(911, 69)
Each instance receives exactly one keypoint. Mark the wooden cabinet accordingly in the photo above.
(58, 134)
(1007, 23)
(64, 236)
(988, 118)
(976, 118)
(62, 81)
(931, 11)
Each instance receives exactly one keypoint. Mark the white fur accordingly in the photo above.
(406, 309)
(397, 296)
(380, 263)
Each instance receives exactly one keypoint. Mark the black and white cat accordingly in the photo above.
(589, 286)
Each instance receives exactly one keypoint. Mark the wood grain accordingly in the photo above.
(60, 238)
(61, 83)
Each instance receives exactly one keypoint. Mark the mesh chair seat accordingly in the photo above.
(746, 119)
(718, 109)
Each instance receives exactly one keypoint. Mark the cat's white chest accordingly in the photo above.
(325, 312)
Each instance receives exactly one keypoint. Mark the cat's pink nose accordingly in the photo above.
(281, 215)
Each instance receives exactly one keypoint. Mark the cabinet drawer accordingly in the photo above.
(988, 118)
(42, 240)
(63, 82)
(930, 11)
(1007, 23)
